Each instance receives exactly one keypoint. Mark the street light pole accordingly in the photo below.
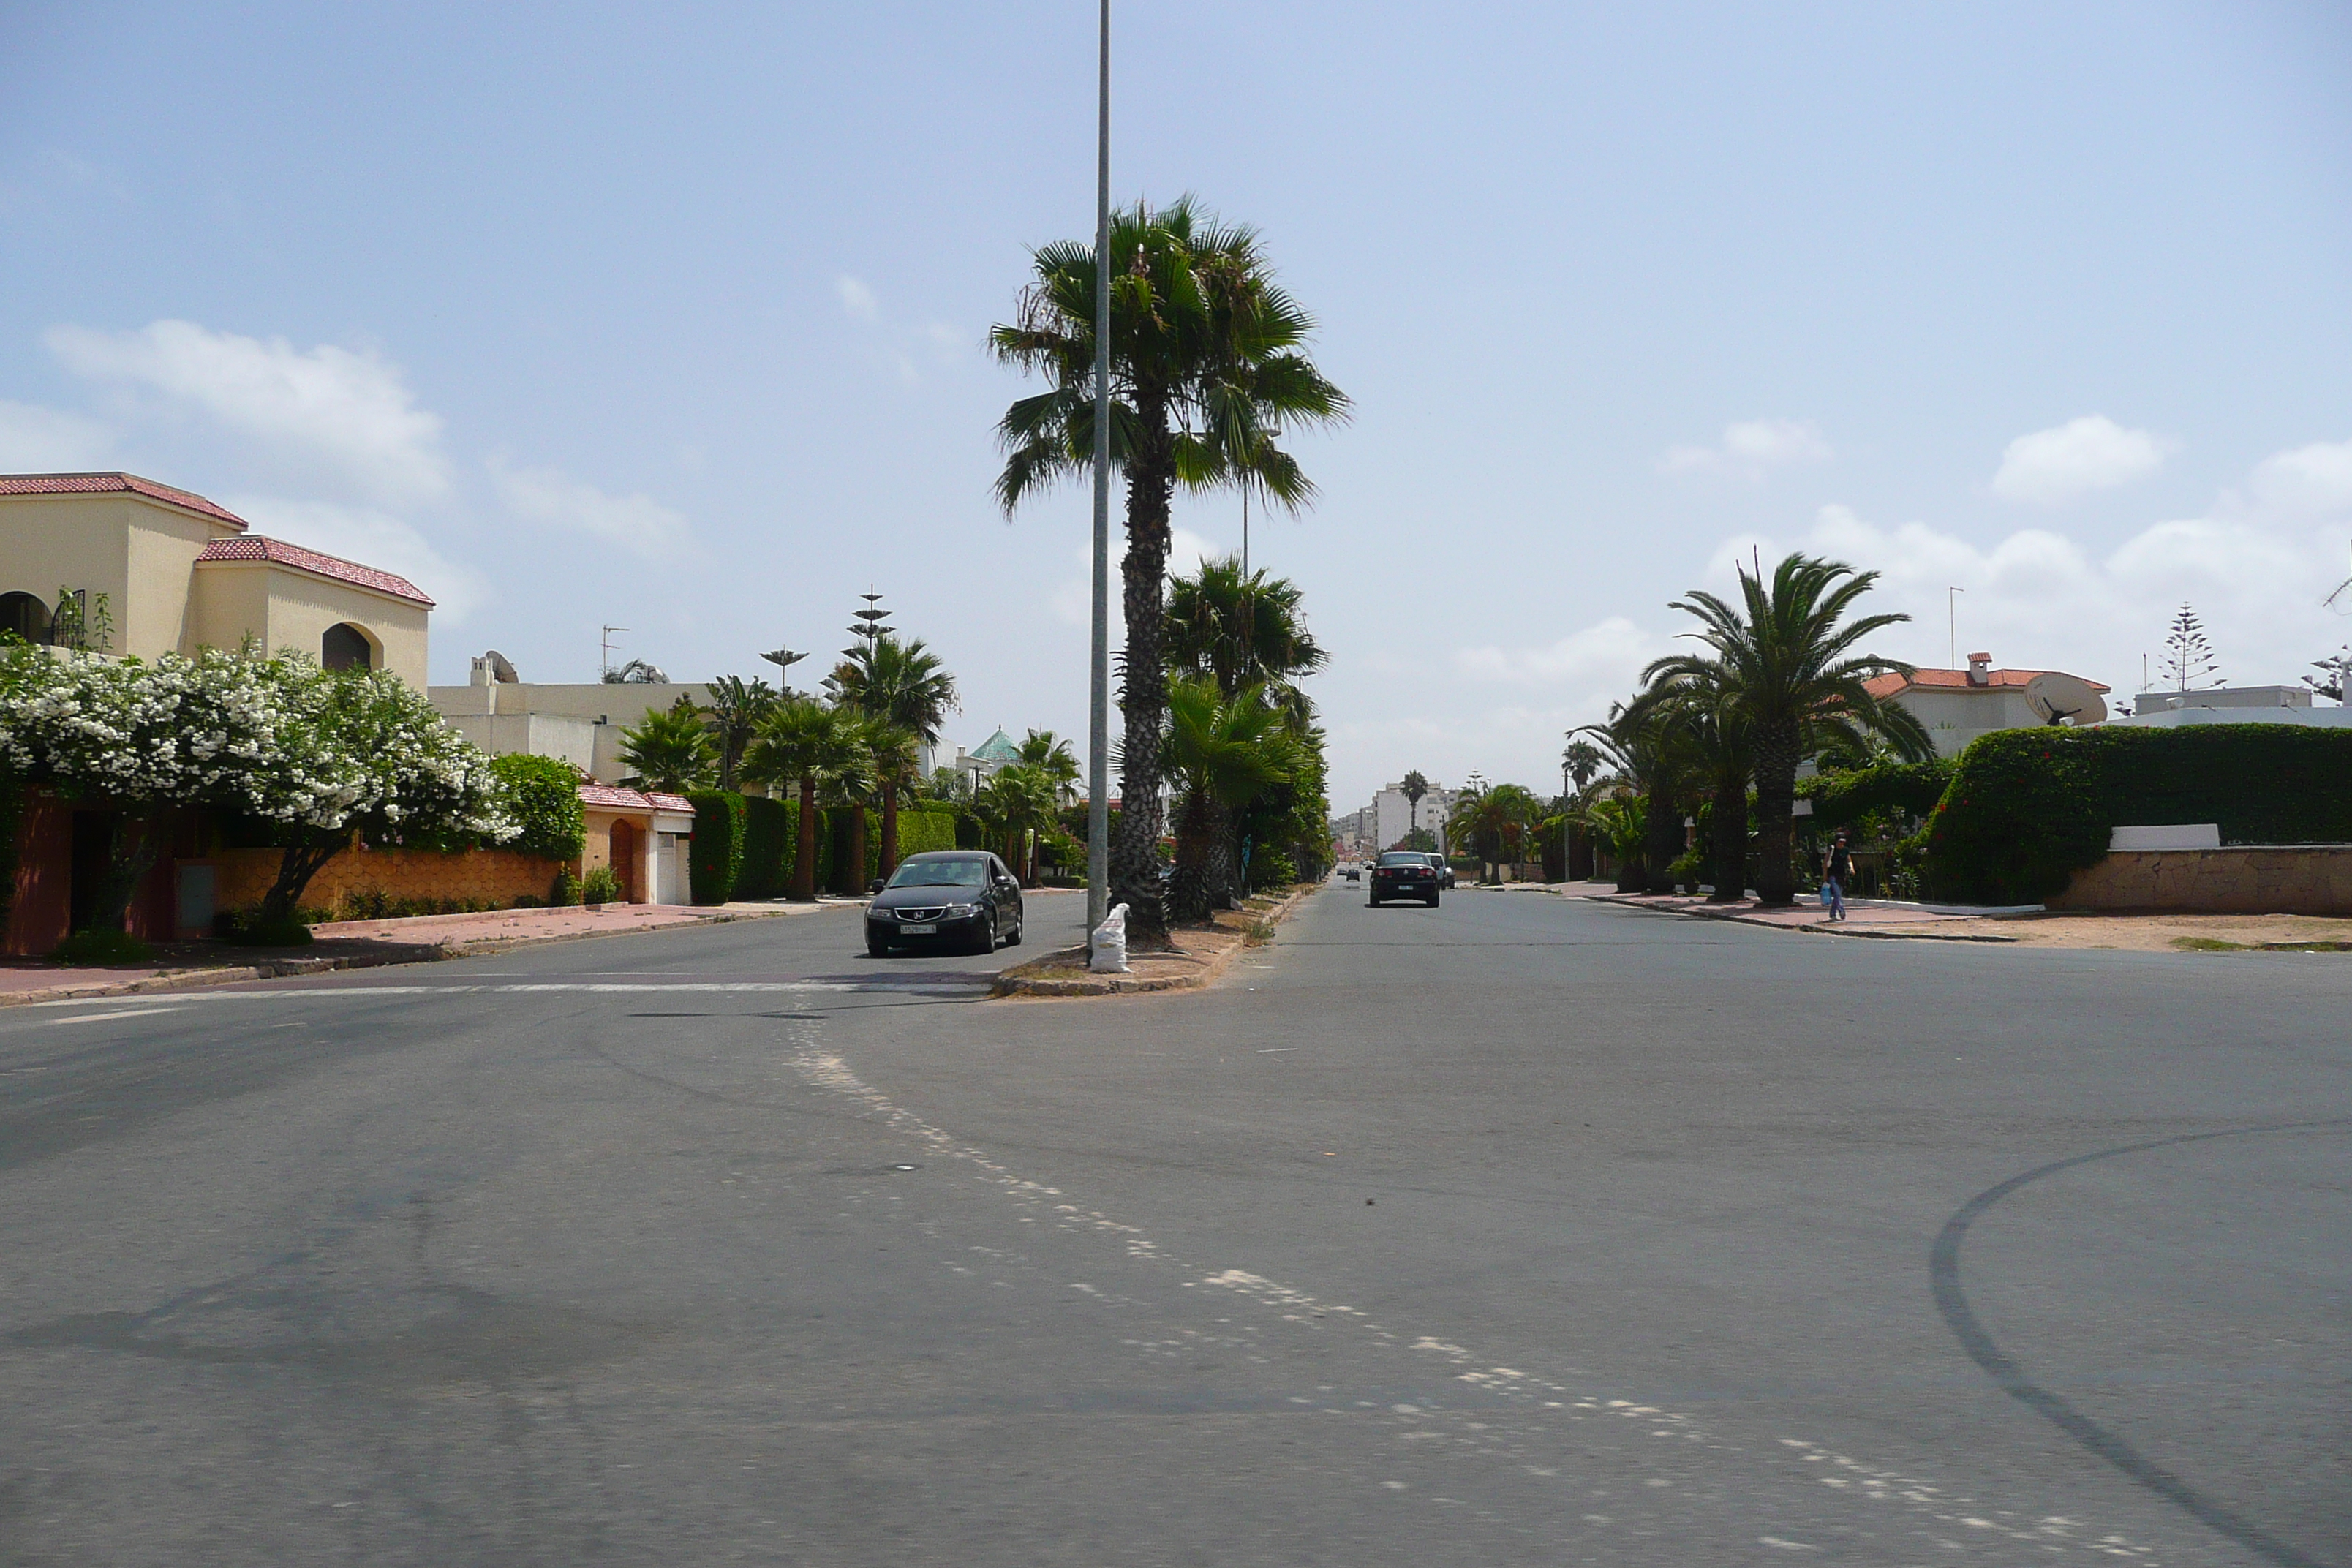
(1098, 724)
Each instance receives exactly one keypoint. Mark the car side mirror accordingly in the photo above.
(873, 887)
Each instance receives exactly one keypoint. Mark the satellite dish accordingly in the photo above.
(501, 669)
(2056, 697)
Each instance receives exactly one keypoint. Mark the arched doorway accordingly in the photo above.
(345, 646)
(625, 850)
(26, 615)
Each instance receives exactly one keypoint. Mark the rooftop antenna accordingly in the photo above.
(2344, 592)
(605, 667)
(1952, 623)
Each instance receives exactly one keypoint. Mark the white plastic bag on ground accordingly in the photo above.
(1107, 949)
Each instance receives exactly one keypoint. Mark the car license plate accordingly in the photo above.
(924, 930)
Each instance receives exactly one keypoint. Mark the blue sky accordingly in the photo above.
(672, 318)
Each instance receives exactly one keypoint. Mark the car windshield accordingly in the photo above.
(1399, 858)
(940, 874)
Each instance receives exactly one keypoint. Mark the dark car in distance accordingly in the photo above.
(954, 901)
(1403, 874)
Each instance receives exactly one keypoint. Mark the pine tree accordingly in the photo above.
(2188, 658)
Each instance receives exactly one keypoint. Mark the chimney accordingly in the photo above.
(1979, 669)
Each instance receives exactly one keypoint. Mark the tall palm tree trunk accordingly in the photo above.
(1727, 848)
(851, 879)
(805, 848)
(1776, 792)
(1664, 841)
(1191, 889)
(1143, 700)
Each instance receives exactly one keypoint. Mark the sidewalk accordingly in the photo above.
(1200, 955)
(366, 945)
(1880, 917)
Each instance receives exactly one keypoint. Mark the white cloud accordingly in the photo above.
(330, 414)
(2310, 481)
(1751, 449)
(374, 538)
(2093, 453)
(47, 440)
(1608, 654)
(906, 347)
(638, 523)
(2036, 599)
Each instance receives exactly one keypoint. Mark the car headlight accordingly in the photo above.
(960, 911)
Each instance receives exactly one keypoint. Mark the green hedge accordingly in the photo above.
(1840, 799)
(921, 832)
(2027, 808)
(715, 858)
(542, 794)
(768, 829)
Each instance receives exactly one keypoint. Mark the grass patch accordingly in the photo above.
(2208, 944)
(1258, 933)
(103, 947)
(2307, 947)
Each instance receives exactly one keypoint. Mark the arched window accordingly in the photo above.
(345, 646)
(26, 615)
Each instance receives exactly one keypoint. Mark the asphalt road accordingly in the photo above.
(1523, 1230)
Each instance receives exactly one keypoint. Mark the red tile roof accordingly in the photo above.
(1885, 686)
(113, 484)
(257, 547)
(613, 797)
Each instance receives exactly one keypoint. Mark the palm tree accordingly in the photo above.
(897, 768)
(1224, 752)
(1705, 715)
(1205, 365)
(1242, 629)
(1788, 652)
(1496, 822)
(804, 742)
(1017, 800)
(670, 749)
(738, 707)
(1582, 760)
(905, 685)
(1649, 753)
(1415, 786)
(1051, 755)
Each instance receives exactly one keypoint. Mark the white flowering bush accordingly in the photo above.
(316, 755)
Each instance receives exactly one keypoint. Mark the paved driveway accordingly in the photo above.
(1519, 1230)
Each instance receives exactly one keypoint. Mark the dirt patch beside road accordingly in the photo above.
(2165, 934)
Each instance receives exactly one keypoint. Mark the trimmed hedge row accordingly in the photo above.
(2027, 808)
(1913, 788)
(744, 844)
(542, 794)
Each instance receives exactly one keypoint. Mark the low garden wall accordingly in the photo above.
(496, 876)
(2247, 879)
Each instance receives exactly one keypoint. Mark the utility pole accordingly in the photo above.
(1099, 721)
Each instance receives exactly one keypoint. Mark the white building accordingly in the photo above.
(1956, 705)
(1390, 816)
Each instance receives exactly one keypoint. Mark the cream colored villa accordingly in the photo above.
(178, 572)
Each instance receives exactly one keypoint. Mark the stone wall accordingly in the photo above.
(2251, 879)
(496, 876)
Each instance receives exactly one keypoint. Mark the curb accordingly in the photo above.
(1023, 978)
(286, 968)
(1820, 930)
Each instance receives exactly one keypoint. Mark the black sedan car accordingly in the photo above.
(1402, 874)
(955, 901)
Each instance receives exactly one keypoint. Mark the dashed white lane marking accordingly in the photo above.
(2052, 1534)
(118, 1013)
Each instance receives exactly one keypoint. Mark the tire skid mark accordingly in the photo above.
(1957, 1524)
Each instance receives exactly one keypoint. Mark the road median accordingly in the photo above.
(1200, 956)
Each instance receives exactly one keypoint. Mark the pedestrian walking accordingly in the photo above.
(1834, 875)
